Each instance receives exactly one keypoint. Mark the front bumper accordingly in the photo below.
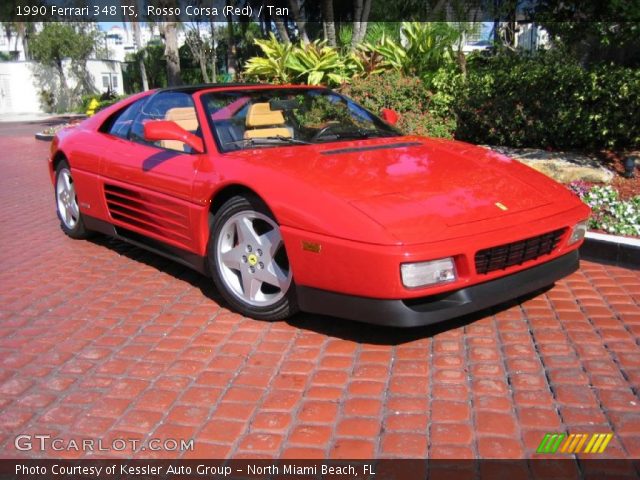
(432, 309)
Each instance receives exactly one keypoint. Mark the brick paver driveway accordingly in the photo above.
(100, 340)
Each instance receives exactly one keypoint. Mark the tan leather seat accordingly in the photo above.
(186, 118)
(263, 122)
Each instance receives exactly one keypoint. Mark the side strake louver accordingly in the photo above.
(151, 213)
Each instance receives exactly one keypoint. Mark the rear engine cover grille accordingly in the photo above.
(516, 253)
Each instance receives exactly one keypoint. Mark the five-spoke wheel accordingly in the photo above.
(249, 261)
(67, 203)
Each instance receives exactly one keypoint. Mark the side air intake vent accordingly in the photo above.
(148, 212)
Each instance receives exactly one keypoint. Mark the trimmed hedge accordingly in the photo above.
(546, 100)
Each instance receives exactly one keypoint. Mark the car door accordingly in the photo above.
(148, 185)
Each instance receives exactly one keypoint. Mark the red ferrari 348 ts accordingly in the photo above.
(296, 198)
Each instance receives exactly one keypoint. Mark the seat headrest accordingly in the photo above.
(183, 116)
(261, 115)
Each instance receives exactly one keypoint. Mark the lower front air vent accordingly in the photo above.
(516, 253)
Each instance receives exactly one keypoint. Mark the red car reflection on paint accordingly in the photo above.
(296, 198)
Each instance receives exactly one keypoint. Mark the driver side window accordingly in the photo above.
(176, 107)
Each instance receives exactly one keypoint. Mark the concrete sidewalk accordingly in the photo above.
(37, 117)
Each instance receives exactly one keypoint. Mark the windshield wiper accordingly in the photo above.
(271, 140)
(357, 134)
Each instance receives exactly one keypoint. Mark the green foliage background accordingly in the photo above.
(548, 100)
(545, 99)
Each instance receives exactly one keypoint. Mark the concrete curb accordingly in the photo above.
(613, 249)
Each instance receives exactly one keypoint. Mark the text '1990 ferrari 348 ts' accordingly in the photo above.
(296, 198)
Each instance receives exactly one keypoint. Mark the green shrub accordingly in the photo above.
(104, 100)
(313, 64)
(47, 100)
(419, 115)
(427, 47)
(546, 100)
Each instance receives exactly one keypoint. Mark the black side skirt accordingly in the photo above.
(188, 259)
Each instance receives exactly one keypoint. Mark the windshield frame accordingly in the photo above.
(392, 130)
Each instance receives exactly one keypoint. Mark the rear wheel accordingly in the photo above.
(248, 260)
(71, 220)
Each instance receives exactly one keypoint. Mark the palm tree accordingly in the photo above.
(328, 23)
(137, 39)
(168, 31)
(361, 11)
(300, 21)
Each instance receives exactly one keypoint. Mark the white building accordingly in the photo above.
(22, 83)
(119, 40)
(530, 36)
(11, 44)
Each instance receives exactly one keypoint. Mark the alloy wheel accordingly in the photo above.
(251, 258)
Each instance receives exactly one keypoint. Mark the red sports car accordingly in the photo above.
(296, 198)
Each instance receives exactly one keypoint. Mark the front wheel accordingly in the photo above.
(249, 262)
(71, 220)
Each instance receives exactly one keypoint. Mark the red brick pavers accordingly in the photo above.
(100, 340)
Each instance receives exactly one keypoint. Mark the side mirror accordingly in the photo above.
(158, 130)
(390, 116)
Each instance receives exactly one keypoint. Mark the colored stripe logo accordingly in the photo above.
(574, 443)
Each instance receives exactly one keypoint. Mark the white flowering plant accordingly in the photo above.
(609, 213)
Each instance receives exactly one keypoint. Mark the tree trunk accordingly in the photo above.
(25, 48)
(137, 44)
(265, 23)
(214, 53)
(360, 21)
(364, 21)
(462, 61)
(8, 33)
(62, 102)
(510, 32)
(282, 31)
(357, 19)
(328, 22)
(171, 53)
(63, 79)
(232, 60)
(202, 60)
(300, 21)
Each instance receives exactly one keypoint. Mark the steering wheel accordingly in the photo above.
(323, 131)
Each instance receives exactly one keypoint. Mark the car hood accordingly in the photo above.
(416, 187)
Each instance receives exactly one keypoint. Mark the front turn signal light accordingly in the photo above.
(578, 232)
(422, 274)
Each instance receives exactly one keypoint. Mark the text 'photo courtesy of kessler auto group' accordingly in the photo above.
(355, 239)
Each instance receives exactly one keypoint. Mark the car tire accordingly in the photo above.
(67, 208)
(248, 260)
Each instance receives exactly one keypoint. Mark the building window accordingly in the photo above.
(109, 81)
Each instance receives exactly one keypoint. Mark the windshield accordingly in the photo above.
(262, 118)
